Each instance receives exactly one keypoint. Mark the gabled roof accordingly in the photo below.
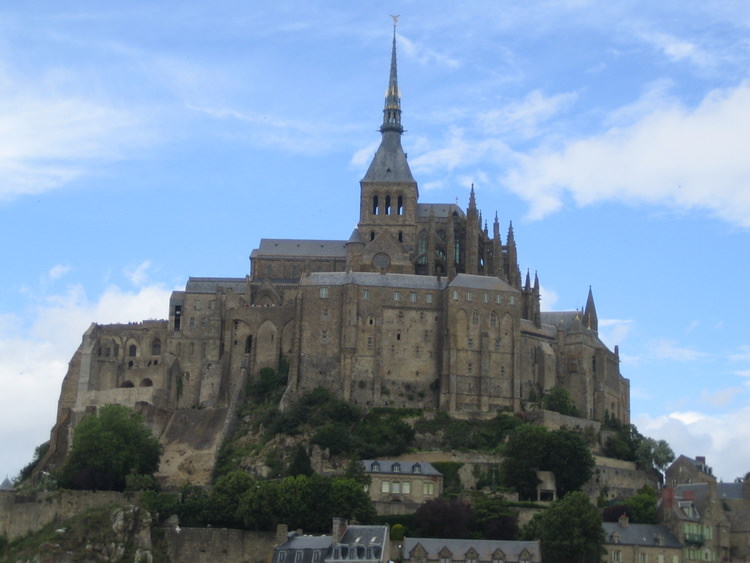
(400, 467)
(300, 248)
(6, 485)
(210, 285)
(483, 548)
(639, 534)
(439, 210)
(374, 279)
(488, 283)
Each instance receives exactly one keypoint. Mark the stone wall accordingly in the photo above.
(219, 545)
(20, 515)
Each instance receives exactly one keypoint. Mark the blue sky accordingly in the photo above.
(145, 142)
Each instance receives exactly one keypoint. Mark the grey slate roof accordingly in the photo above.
(359, 542)
(439, 210)
(299, 248)
(6, 485)
(489, 283)
(404, 467)
(389, 163)
(484, 548)
(374, 279)
(210, 285)
(306, 545)
(363, 542)
(639, 534)
(729, 490)
(565, 320)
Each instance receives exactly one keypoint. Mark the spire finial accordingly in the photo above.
(392, 110)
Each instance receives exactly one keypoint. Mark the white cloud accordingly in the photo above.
(678, 49)
(46, 142)
(456, 152)
(35, 363)
(58, 271)
(614, 332)
(423, 55)
(721, 438)
(722, 397)
(685, 159)
(665, 349)
(524, 117)
(548, 298)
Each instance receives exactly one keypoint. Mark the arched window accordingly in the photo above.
(249, 344)
(146, 382)
(127, 384)
(400, 206)
(132, 350)
(375, 209)
(156, 347)
(387, 210)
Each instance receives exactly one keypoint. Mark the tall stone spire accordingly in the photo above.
(392, 110)
(389, 164)
(590, 318)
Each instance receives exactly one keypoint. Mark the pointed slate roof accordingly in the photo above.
(389, 163)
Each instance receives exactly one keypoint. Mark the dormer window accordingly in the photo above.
(416, 468)
(396, 468)
(375, 466)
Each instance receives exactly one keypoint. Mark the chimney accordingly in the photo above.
(623, 520)
(338, 529)
(667, 496)
(282, 533)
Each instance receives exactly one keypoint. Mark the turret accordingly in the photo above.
(590, 320)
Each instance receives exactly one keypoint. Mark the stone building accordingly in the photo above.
(639, 543)
(711, 519)
(400, 487)
(423, 306)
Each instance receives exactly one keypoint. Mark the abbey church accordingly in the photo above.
(422, 306)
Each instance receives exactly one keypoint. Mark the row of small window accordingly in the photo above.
(643, 558)
(471, 559)
(413, 296)
(404, 487)
(486, 297)
(132, 350)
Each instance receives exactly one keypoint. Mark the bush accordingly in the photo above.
(107, 447)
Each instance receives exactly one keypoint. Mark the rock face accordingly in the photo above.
(117, 535)
(423, 306)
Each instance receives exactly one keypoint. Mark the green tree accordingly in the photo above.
(568, 456)
(523, 456)
(225, 498)
(642, 506)
(558, 399)
(107, 447)
(443, 518)
(300, 464)
(495, 519)
(570, 531)
(650, 453)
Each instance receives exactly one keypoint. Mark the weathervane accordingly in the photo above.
(395, 19)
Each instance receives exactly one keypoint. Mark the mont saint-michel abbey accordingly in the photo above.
(421, 306)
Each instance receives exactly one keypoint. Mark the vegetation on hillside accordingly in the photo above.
(628, 444)
(110, 448)
(239, 501)
(570, 530)
(531, 448)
